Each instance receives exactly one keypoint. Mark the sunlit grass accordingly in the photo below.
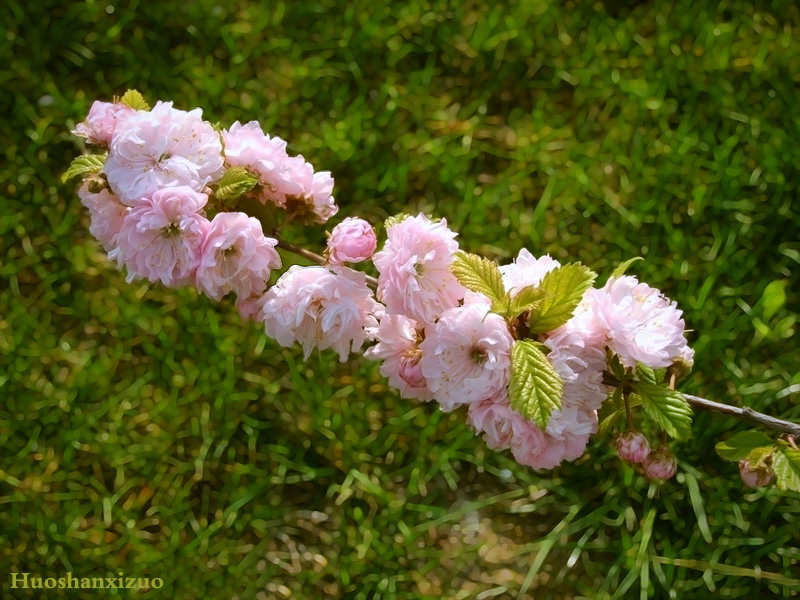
(153, 431)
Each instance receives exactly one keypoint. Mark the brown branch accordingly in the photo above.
(317, 258)
(745, 413)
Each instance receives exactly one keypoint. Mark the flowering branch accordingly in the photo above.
(540, 357)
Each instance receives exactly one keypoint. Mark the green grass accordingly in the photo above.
(152, 431)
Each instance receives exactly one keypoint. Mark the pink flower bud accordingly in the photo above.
(632, 447)
(353, 240)
(411, 369)
(754, 476)
(660, 464)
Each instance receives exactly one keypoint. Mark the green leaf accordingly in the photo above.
(623, 267)
(483, 276)
(740, 444)
(395, 219)
(86, 164)
(235, 182)
(529, 298)
(786, 465)
(534, 388)
(668, 408)
(645, 373)
(135, 100)
(563, 289)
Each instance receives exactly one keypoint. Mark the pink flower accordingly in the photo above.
(161, 238)
(102, 121)
(398, 347)
(632, 447)
(236, 257)
(642, 325)
(287, 181)
(526, 270)
(466, 356)
(353, 240)
(164, 147)
(414, 264)
(320, 309)
(755, 476)
(252, 307)
(107, 214)
(503, 427)
(660, 464)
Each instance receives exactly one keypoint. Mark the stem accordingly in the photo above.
(745, 413)
(314, 257)
(625, 393)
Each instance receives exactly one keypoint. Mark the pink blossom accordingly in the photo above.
(102, 121)
(107, 214)
(632, 447)
(414, 264)
(526, 270)
(236, 257)
(466, 355)
(755, 476)
(251, 307)
(660, 464)
(642, 325)
(287, 181)
(164, 147)
(161, 238)
(320, 308)
(398, 346)
(351, 241)
(503, 427)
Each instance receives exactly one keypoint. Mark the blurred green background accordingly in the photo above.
(153, 432)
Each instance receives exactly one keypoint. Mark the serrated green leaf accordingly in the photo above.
(645, 373)
(483, 276)
(135, 100)
(529, 298)
(668, 408)
(563, 289)
(534, 389)
(86, 164)
(394, 220)
(622, 268)
(786, 465)
(740, 444)
(235, 182)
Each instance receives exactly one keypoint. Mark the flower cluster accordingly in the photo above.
(530, 350)
(159, 197)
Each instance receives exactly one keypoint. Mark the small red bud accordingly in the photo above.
(632, 447)
(661, 464)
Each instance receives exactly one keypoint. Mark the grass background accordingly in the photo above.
(153, 432)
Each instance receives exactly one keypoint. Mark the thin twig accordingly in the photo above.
(317, 258)
(746, 413)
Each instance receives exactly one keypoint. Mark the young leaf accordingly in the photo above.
(535, 388)
(645, 373)
(235, 182)
(623, 267)
(528, 298)
(740, 444)
(483, 276)
(135, 100)
(394, 220)
(786, 465)
(563, 290)
(85, 164)
(667, 408)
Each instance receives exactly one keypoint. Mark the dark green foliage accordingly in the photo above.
(153, 431)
